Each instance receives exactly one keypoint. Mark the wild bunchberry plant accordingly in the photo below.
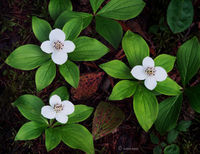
(66, 129)
(59, 47)
(142, 67)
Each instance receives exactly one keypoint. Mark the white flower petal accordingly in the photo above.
(150, 83)
(160, 73)
(46, 47)
(48, 112)
(55, 99)
(138, 72)
(57, 35)
(69, 46)
(62, 118)
(148, 62)
(68, 107)
(59, 57)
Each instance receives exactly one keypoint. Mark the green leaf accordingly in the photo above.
(157, 150)
(154, 138)
(184, 125)
(41, 29)
(193, 94)
(168, 87)
(172, 136)
(145, 107)
(45, 75)
(30, 130)
(122, 10)
(110, 30)
(165, 61)
(95, 5)
(180, 15)
(52, 138)
(81, 113)
(172, 149)
(117, 69)
(27, 57)
(135, 48)
(70, 72)
(62, 92)
(123, 89)
(56, 7)
(188, 59)
(107, 118)
(30, 107)
(88, 49)
(67, 15)
(78, 137)
(169, 110)
(73, 28)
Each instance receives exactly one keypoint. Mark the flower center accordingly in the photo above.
(58, 107)
(58, 45)
(150, 71)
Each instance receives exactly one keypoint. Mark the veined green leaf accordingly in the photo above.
(145, 107)
(78, 137)
(41, 29)
(168, 87)
(87, 49)
(45, 75)
(193, 94)
(27, 57)
(180, 15)
(169, 110)
(188, 59)
(123, 89)
(81, 113)
(30, 130)
(56, 7)
(122, 10)
(73, 28)
(165, 61)
(70, 72)
(117, 69)
(110, 30)
(96, 4)
(52, 138)
(30, 107)
(135, 48)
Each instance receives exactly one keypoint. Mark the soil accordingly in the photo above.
(129, 137)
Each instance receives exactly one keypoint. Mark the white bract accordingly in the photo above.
(57, 109)
(57, 46)
(148, 72)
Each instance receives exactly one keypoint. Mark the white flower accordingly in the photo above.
(57, 109)
(58, 46)
(148, 72)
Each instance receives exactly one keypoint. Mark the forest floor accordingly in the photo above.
(16, 30)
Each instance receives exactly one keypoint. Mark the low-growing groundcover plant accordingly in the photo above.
(59, 47)
(145, 103)
(66, 129)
